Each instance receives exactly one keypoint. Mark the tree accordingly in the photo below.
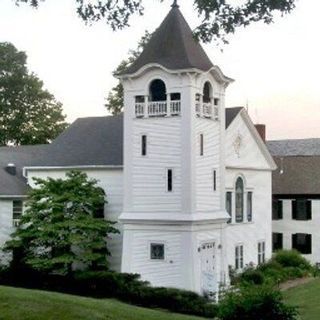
(63, 226)
(115, 97)
(219, 18)
(29, 114)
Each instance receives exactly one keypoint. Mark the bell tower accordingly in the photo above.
(174, 216)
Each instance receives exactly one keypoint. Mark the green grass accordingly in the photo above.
(16, 303)
(306, 297)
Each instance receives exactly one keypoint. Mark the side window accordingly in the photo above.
(277, 209)
(261, 252)
(301, 209)
(17, 209)
(239, 199)
(277, 241)
(157, 251)
(302, 242)
(239, 257)
(249, 206)
(144, 145)
(214, 178)
(229, 204)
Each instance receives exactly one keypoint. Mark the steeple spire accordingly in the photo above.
(175, 4)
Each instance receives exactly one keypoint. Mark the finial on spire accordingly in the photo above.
(175, 4)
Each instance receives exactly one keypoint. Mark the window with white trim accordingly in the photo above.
(239, 257)
(157, 251)
(239, 199)
(261, 252)
(229, 204)
(17, 209)
(249, 206)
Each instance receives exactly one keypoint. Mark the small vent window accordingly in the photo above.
(157, 251)
(201, 144)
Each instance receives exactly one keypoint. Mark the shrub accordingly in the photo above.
(255, 302)
(252, 276)
(291, 258)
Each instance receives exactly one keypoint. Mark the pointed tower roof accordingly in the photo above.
(172, 46)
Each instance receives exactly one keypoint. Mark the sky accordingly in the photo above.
(276, 67)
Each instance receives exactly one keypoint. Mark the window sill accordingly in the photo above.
(240, 223)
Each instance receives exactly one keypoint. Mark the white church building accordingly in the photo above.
(188, 180)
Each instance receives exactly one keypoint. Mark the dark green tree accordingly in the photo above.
(218, 17)
(115, 97)
(29, 114)
(63, 226)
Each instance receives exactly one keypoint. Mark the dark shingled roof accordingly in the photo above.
(11, 185)
(173, 46)
(296, 175)
(231, 113)
(87, 142)
(295, 147)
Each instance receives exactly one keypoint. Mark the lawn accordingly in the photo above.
(307, 298)
(26, 304)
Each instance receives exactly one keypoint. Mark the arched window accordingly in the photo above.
(207, 92)
(158, 90)
(239, 199)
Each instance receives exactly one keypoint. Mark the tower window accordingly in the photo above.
(201, 144)
(216, 101)
(175, 96)
(144, 145)
(169, 180)
(207, 92)
(158, 90)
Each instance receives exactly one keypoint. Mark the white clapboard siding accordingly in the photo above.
(149, 172)
(159, 273)
(207, 198)
(287, 226)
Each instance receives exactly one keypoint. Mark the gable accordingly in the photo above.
(244, 147)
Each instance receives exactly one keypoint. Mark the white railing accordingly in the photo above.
(175, 108)
(216, 112)
(207, 110)
(139, 109)
(198, 108)
(157, 109)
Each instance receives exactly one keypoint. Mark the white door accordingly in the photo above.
(208, 265)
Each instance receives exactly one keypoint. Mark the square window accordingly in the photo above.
(157, 251)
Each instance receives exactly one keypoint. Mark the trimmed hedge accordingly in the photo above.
(106, 284)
